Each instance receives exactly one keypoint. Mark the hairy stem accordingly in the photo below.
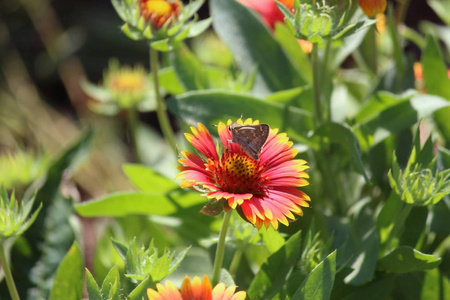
(161, 110)
(220, 251)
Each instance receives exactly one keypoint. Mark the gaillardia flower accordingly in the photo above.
(263, 191)
(372, 7)
(159, 12)
(123, 87)
(161, 22)
(197, 290)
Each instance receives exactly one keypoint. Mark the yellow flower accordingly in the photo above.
(158, 12)
(197, 290)
(372, 7)
(128, 86)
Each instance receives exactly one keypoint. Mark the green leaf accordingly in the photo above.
(319, 283)
(295, 53)
(128, 203)
(189, 69)
(441, 8)
(169, 81)
(121, 248)
(353, 28)
(161, 45)
(148, 180)
(139, 292)
(210, 107)
(68, 282)
(405, 259)
(52, 234)
(375, 290)
(176, 261)
(96, 92)
(434, 70)
(437, 82)
(111, 285)
(272, 275)
(254, 46)
(388, 215)
(362, 246)
(435, 285)
(343, 135)
(93, 290)
(199, 27)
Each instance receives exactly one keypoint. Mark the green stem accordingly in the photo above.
(161, 110)
(8, 276)
(402, 10)
(316, 85)
(220, 251)
(401, 218)
(235, 262)
(326, 79)
(134, 128)
(371, 43)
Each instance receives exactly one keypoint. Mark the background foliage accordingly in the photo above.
(362, 237)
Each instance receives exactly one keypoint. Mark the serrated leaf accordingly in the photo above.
(92, 287)
(139, 292)
(68, 283)
(121, 248)
(51, 235)
(272, 275)
(319, 283)
(176, 261)
(111, 285)
(405, 259)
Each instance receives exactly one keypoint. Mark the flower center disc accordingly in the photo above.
(239, 173)
(128, 81)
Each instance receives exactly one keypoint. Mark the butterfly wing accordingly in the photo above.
(251, 138)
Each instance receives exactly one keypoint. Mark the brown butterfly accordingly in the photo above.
(251, 138)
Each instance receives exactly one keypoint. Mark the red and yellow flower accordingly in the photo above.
(264, 191)
(197, 290)
(373, 7)
(158, 12)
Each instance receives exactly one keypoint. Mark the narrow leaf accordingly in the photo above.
(68, 282)
(319, 283)
(92, 287)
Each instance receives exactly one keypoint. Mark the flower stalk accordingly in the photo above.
(316, 85)
(134, 130)
(235, 262)
(220, 251)
(161, 110)
(8, 276)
